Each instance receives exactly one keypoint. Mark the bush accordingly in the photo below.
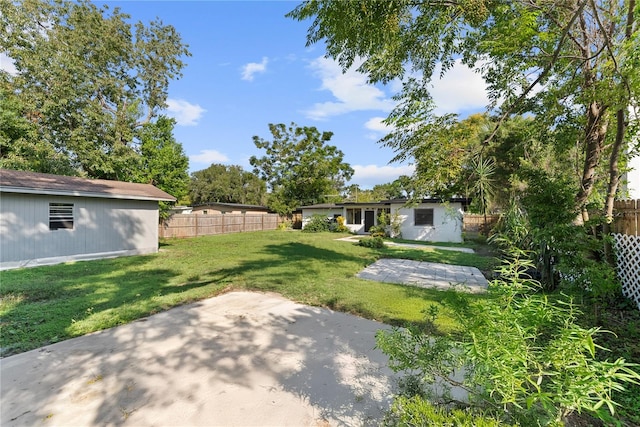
(525, 358)
(372, 242)
(317, 224)
(285, 225)
(378, 231)
(339, 225)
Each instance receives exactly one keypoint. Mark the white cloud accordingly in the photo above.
(377, 127)
(375, 124)
(7, 64)
(461, 89)
(370, 175)
(351, 90)
(208, 157)
(185, 113)
(252, 68)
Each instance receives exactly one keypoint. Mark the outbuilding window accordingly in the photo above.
(60, 216)
(423, 217)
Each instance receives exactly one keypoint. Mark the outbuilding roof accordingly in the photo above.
(12, 181)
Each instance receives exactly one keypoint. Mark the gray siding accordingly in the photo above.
(102, 227)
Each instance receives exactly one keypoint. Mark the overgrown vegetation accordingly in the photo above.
(320, 223)
(525, 359)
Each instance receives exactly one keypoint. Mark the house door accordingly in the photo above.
(369, 220)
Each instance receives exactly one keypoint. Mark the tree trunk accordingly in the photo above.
(614, 172)
(614, 179)
(595, 134)
(617, 149)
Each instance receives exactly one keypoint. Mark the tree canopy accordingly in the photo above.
(572, 64)
(299, 167)
(87, 83)
(162, 161)
(226, 184)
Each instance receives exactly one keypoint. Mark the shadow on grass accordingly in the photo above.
(44, 305)
(286, 268)
(485, 264)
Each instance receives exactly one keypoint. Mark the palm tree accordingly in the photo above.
(483, 186)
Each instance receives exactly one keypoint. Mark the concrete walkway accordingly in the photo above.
(425, 274)
(240, 359)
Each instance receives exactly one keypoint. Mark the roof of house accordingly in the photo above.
(383, 203)
(322, 206)
(12, 181)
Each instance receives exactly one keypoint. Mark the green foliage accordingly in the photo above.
(581, 54)
(378, 231)
(525, 358)
(401, 188)
(483, 184)
(374, 242)
(317, 224)
(299, 167)
(20, 148)
(416, 411)
(226, 184)
(86, 81)
(285, 225)
(339, 225)
(163, 162)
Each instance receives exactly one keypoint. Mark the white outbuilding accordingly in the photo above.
(48, 219)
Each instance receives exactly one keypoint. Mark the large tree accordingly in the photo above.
(226, 184)
(162, 161)
(299, 167)
(86, 82)
(572, 63)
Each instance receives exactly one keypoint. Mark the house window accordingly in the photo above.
(204, 212)
(423, 217)
(354, 216)
(60, 216)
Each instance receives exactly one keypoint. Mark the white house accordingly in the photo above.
(48, 219)
(430, 220)
(631, 179)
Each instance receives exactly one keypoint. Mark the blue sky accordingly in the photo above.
(250, 67)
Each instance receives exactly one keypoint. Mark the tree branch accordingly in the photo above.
(541, 76)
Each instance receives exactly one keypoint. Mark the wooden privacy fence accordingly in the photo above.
(626, 234)
(474, 223)
(193, 225)
(626, 214)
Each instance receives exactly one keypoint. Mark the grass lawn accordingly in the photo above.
(44, 305)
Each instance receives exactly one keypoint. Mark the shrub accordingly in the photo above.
(372, 242)
(525, 359)
(285, 225)
(378, 231)
(340, 227)
(317, 224)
